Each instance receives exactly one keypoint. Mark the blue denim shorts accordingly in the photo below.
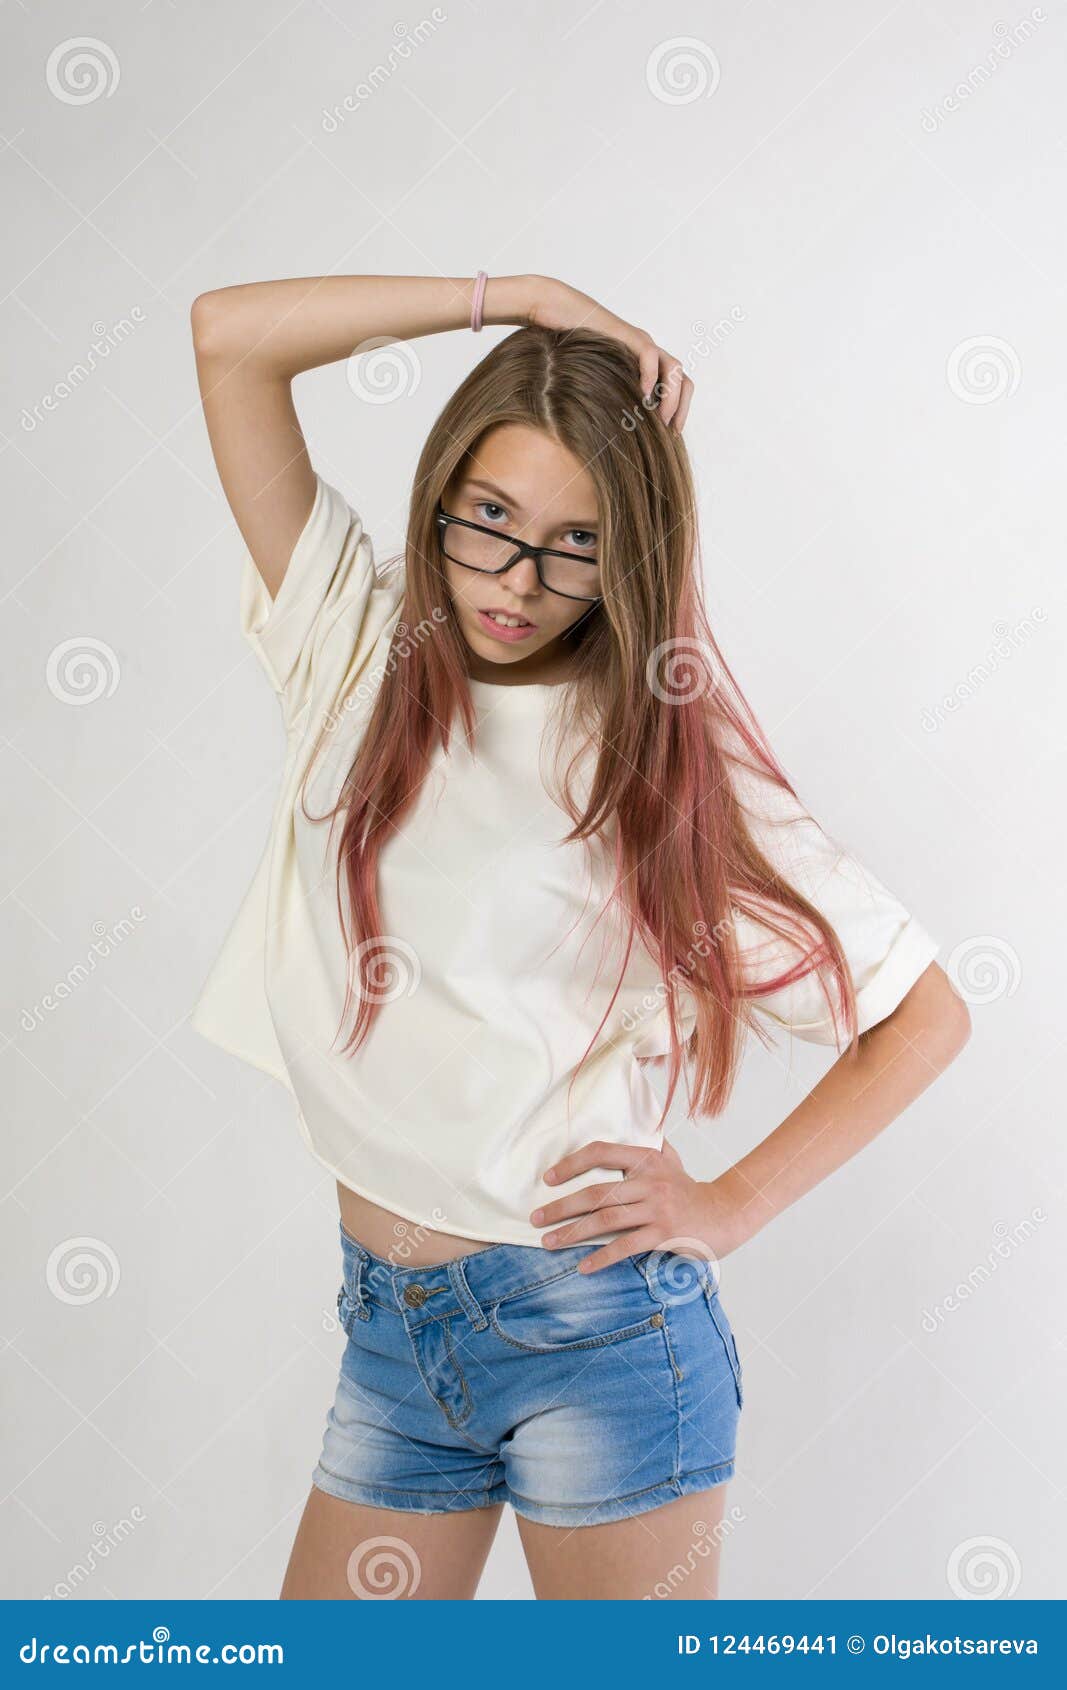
(506, 1375)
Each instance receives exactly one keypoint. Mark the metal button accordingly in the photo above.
(415, 1296)
(655, 1319)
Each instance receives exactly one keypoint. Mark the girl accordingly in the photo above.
(529, 840)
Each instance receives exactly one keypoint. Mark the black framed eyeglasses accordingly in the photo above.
(570, 574)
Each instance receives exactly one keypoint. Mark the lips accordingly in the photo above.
(498, 610)
(499, 631)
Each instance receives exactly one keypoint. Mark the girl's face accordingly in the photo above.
(522, 483)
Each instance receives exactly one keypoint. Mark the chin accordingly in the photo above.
(502, 660)
(498, 651)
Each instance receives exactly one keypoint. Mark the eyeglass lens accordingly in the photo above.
(576, 576)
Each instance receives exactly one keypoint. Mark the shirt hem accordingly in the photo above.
(908, 958)
(911, 953)
(533, 1239)
(202, 1024)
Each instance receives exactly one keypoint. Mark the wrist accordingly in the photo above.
(738, 1208)
(512, 299)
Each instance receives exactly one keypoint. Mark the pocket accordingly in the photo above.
(576, 1311)
(721, 1321)
(351, 1298)
(349, 1309)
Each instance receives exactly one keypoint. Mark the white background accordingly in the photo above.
(878, 514)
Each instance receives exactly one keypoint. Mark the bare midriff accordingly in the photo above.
(402, 1242)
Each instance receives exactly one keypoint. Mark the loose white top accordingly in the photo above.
(456, 1103)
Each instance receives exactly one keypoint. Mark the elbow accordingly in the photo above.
(210, 319)
(954, 1023)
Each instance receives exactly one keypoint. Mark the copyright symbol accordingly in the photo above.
(856, 1645)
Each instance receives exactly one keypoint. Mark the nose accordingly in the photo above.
(521, 578)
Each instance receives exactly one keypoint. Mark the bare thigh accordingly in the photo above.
(669, 1553)
(345, 1550)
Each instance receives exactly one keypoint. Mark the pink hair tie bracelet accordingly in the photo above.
(479, 294)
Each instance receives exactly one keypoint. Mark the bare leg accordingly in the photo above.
(669, 1553)
(344, 1550)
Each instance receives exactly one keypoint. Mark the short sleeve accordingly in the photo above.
(885, 946)
(329, 580)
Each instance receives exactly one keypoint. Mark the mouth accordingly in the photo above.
(506, 625)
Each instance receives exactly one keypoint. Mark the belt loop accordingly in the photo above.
(468, 1301)
(358, 1277)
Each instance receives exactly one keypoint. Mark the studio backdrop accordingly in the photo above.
(845, 219)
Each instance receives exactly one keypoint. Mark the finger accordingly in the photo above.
(595, 1154)
(607, 1219)
(629, 1244)
(670, 382)
(589, 1197)
(648, 358)
(680, 415)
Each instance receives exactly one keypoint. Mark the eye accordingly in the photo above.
(488, 505)
(586, 541)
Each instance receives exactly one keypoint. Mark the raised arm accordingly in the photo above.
(252, 339)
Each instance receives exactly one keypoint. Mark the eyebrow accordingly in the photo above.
(587, 523)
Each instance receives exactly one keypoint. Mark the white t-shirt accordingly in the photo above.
(456, 1103)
